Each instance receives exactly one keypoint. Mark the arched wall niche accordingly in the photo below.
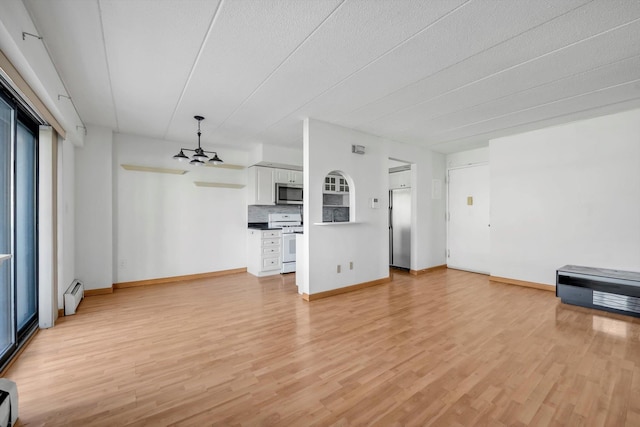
(338, 197)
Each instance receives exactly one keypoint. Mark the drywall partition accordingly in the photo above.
(566, 195)
(93, 209)
(365, 242)
(166, 225)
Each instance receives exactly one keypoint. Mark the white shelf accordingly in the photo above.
(217, 184)
(139, 168)
(337, 223)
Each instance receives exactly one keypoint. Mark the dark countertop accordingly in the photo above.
(261, 226)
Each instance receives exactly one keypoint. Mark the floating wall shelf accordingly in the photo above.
(217, 184)
(225, 166)
(153, 169)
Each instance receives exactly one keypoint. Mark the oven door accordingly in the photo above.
(289, 247)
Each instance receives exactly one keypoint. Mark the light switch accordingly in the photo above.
(470, 200)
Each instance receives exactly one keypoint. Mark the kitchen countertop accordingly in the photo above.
(261, 226)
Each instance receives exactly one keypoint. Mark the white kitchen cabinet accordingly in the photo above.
(287, 176)
(336, 184)
(264, 256)
(400, 179)
(261, 186)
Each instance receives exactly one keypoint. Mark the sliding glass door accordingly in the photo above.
(18, 226)
(7, 336)
(26, 244)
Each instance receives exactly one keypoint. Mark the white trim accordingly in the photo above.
(47, 300)
(470, 165)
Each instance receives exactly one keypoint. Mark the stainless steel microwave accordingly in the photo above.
(288, 194)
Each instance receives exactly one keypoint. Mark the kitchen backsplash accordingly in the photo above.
(260, 213)
(335, 214)
(333, 199)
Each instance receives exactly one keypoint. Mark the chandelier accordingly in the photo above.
(199, 158)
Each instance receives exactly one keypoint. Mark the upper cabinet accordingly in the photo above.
(286, 176)
(335, 184)
(260, 186)
(261, 183)
(400, 179)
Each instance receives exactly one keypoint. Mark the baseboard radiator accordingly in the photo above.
(72, 297)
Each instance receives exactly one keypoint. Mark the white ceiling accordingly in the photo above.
(445, 74)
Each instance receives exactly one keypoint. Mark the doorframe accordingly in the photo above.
(22, 114)
(412, 168)
(448, 212)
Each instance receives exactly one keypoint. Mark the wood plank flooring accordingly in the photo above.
(447, 348)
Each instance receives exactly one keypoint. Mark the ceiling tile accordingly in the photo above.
(72, 34)
(357, 34)
(151, 49)
(587, 55)
(560, 32)
(426, 73)
(246, 44)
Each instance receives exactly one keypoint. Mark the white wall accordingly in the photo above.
(366, 242)
(66, 221)
(93, 209)
(275, 156)
(467, 158)
(166, 226)
(566, 195)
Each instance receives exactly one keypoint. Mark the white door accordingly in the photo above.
(468, 226)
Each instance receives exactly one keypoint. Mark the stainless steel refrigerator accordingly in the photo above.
(400, 228)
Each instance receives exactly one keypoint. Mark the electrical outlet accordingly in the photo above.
(338, 269)
(351, 265)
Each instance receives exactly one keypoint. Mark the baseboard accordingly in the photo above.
(523, 283)
(60, 312)
(123, 285)
(94, 292)
(346, 289)
(427, 270)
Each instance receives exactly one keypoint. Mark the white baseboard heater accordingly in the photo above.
(72, 297)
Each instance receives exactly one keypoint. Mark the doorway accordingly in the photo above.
(468, 238)
(400, 195)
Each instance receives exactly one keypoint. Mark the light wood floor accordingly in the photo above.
(448, 348)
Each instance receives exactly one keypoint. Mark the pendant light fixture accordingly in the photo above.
(199, 158)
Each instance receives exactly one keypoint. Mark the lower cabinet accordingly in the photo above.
(264, 255)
